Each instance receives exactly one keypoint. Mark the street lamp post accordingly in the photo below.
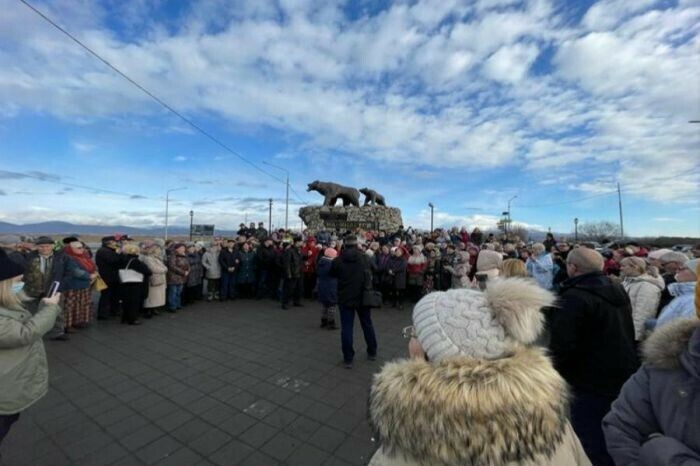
(191, 222)
(269, 218)
(430, 204)
(509, 217)
(167, 202)
(576, 230)
(286, 204)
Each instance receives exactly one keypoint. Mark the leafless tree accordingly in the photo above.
(599, 231)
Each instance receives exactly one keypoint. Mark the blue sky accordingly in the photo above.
(463, 104)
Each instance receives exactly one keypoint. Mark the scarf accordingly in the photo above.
(82, 260)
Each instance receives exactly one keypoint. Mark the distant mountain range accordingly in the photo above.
(53, 228)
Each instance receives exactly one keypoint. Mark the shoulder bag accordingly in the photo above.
(127, 275)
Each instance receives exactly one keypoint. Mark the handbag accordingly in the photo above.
(370, 297)
(100, 284)
(127, 275)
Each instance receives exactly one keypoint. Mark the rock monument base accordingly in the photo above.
(369, 217)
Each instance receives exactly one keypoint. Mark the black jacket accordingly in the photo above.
(292, 264)
(229, 259)
(352, 269)
(108, 264)
(265, 257)
(592, 335)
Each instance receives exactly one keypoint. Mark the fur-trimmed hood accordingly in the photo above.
(666, 346)
(465, 411)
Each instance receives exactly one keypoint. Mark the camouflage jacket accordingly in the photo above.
(37, 284)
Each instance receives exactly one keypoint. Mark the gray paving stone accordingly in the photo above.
(306, 455)
(177, 378)
(157, 450)
(258, 434)
(281, 446)
(232, 454)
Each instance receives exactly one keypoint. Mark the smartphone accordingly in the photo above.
(53, 290)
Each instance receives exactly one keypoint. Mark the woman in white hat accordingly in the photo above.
(475, 391)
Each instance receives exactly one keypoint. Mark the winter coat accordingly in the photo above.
(309, 253)
(178, 267)
(592, 335)
(196, 274)
(327, 285)
(396, 269)
(352, 269)
(246, 268)
(37, 284)
(156, 282)
(542, 270)
(415, 270)
(644, 292)
(228, 259)
(292, 263)
(75, 277)
(210, 262)
(139, 290)
(108, 262)
(24, 372)
(459, 275)
(683, 304)
(656, 419)
(466, 411)
(381, 262)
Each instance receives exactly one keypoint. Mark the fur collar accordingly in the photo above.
(663, 349)
(465, 411)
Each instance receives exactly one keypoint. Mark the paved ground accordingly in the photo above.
(218, 383)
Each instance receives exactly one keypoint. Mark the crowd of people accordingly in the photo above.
(487, 307)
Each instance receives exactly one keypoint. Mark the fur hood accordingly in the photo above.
(663, 349)
(466, 411)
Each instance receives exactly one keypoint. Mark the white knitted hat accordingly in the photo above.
(485, 325)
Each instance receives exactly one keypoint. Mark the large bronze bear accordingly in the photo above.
(372, 197)
(332, 192)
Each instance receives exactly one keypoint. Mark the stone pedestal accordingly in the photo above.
(370, 217)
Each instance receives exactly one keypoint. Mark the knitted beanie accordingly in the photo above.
(483, 325)
(330, 253)
(488, 260)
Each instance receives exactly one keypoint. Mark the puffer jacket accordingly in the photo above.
(466, 411)
(654, 421)
(178, 268)
(644, 292)
(24, 372)
(210, 262)
(682, 305)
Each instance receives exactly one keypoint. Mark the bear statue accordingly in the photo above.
(372, 197)
(332, 192)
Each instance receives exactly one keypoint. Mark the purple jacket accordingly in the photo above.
(656, 419)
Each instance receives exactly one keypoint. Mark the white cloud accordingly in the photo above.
(180, 158)
(511, 63)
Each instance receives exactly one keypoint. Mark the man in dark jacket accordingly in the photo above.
(592, 346)
(108, 262)
(229, 260)
(265, 257)
(44, 267)
(292, 267)
(352, 269)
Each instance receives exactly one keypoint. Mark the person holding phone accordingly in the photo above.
(24, 376)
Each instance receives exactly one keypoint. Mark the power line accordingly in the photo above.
(152, 96)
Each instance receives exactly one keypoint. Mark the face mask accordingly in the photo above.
(17, 287)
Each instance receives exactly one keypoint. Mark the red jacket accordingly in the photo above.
(309, 253)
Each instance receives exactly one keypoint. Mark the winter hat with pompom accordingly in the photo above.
(483, 325)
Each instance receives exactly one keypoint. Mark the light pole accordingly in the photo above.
(509, 218)
(576, 230)
(191, 222)
(286, 206)
(269, 219)
(430, 204)
(167, 202)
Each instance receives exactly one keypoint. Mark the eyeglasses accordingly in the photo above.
(409, 332)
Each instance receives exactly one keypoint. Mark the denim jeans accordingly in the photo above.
(174, 297)
(347, 322)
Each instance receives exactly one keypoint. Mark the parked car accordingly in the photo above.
(682, 248)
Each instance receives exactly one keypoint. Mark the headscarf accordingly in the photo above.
(81, 258)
